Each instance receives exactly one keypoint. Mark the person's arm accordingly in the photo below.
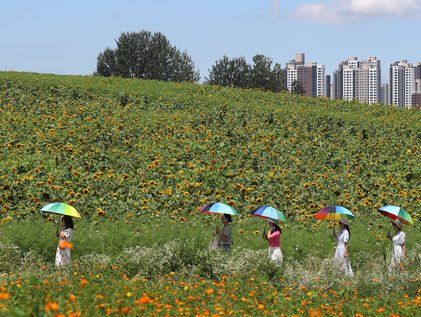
(264, 234)
(222, 236)
(404, 251)
(346, 254)
(64, 234)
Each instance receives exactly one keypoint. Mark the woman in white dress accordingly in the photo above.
(64, 245)
(342, 249)
(399, 250)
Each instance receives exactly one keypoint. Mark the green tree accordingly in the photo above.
(297, 88)
(236, 72)
(146, 55)
(266, 77)
(232, 72)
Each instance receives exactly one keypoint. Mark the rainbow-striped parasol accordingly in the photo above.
(333, 213)
(269, 213)
(61, 209)
(395, 212)
(218, 208)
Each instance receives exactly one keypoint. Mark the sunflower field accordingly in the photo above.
(137, 158)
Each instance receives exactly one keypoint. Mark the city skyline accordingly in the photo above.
(66, 38)
(358, 79)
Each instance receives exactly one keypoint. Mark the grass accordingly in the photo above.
(299, 239)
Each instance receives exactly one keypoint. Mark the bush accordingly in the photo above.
(10, 257)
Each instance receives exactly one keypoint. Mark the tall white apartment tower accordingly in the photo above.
(321, 80)
(374, 80)
(292, 69)
(291, 77)
(402, 83)
(349, 78)
(348, 84)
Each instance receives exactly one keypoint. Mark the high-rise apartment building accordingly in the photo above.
(337, 83)
(374, 80)
(348, 83)
(328, 87)
(416, 99)
(418, 70)
(402, 83)
(311, 76)
(321, 80)
(418, 77)
(385, 94)
(358, 80)
(292, 73)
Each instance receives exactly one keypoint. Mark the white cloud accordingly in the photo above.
(342, 10)
(320, 12)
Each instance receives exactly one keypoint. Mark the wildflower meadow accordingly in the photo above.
(138, 158)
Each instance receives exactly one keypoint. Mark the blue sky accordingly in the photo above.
(65, 37)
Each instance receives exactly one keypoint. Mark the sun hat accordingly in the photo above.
(344, 221)
(398, 223)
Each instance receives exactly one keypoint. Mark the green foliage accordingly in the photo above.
(231, 72)
(297, 88)
(235, 72)
(10, 256)
(266, 77)
(146, 55)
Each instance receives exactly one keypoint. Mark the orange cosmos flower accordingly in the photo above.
(125, 310)
(314, 313)
(72, 298)
(143, 300)
(83, 282)
(50, 306)
(4, 296)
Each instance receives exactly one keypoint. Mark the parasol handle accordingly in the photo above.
(264, 232)
(333, 230)
(216, 227)
(58, 228)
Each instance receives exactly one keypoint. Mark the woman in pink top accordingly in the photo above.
(274, 240)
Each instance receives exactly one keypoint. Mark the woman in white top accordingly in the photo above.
(342, 252)
(399, 250)
(64, 245)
